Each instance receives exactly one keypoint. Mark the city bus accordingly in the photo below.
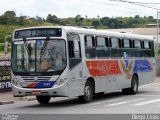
(63, 61)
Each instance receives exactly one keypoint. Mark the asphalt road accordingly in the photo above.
(146, 101)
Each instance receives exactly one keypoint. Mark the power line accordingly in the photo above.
(146, 3)
(104, 3)
(136, 3)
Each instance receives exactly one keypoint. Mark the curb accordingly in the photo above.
(12, 101)
(6, 102)
(26, 98)
(31, 99)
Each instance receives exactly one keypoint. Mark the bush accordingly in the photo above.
(1, 47)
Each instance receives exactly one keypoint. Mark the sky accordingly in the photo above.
(71, 8)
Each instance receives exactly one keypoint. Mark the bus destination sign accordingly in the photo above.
(38, 32)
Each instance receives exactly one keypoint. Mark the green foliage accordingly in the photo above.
(9, 22)
(1, 47)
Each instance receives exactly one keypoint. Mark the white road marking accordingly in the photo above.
(151, 84)
(149, 95)
(147, 102)
(152, 90)
(123, 102)
(97, 103)
(114, 104)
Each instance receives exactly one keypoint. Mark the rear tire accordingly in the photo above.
(43, 99)
(134, 87)
(88, 93)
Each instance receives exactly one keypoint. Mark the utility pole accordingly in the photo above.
(146, 5)
(157, 10)
(157, 45)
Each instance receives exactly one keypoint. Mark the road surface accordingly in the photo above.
(146, 101)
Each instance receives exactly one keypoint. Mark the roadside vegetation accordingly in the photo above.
(9, 21)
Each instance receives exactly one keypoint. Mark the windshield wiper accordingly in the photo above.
(44, 47)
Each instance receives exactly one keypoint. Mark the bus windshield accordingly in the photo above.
(36, 56)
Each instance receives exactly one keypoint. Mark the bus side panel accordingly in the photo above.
(107, 75)
(145, 78)
(145, 70)
(76, 81)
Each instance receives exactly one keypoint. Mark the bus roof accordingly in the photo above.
(103, 32)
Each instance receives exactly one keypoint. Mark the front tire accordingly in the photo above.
(43, 99)
(88, 93)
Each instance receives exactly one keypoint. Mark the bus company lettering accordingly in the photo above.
(103, 68)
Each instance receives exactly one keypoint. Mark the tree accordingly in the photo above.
(49, 18)
(86, 16)
(10, 13)
(105, 21)
(78, 20)
(95, 23)
(39, 18)
(9, 17)
(52, 19)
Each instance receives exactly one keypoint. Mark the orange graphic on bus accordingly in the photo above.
(103, 68)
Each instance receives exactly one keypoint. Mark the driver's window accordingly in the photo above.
(74, 46)
(74, 49)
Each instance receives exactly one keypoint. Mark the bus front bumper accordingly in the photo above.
(62, 91)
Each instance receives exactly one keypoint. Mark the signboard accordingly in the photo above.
(5, 74)
(38, 32)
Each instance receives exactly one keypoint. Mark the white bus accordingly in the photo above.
(76, 62)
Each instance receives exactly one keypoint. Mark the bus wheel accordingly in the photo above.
(134, 87)
(43, 99)
(88, 93)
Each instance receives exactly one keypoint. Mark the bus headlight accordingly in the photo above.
(14, 81)
(61, 81)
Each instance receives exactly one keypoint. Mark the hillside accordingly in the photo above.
(9, 21)
(8, 29)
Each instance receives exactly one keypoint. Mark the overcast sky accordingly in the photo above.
(71, 8)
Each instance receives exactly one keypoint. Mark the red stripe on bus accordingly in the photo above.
(103, 68)
(32, 85)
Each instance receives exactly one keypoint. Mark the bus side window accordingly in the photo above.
(102, 48)
(147, 49)
(90, 49)
(115, 47)
(137, 48)
(152, 48)
(74, 49)
(71, 49)
(127, 48)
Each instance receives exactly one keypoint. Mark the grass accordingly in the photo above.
(1, 47)
(8, 29)
(2, 54)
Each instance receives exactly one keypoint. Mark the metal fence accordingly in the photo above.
(5, 74)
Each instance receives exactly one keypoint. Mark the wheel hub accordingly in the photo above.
(87, 91)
